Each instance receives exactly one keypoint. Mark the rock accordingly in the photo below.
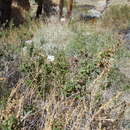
(92, 14)
(127, 38)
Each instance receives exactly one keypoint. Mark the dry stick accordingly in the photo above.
(21, 100)
(2, 78)
(11, 103)
(97, 82)
(79, 118)
(50, 117)
(14, 90)
(104, 106)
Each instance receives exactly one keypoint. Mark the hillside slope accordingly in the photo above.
(59, 76)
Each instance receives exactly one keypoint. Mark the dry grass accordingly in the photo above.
(117, 17)
(75, 91)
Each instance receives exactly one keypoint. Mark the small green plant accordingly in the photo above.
(126, 88)
(57, 125)
(2, 103)
(69, 88)
(29, 108)
(10, 124)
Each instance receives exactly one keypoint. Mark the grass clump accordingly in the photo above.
(10, 124)
(117, 17)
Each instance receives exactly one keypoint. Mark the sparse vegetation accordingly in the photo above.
(56, 76)
(117, 17)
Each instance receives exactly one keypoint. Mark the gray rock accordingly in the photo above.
(127, 38)
(92, 14)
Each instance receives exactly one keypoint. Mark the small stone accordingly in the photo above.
(94, 13)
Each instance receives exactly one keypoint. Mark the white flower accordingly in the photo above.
(50, 58)
(28, 41)
(63, 20)
(24, 51)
